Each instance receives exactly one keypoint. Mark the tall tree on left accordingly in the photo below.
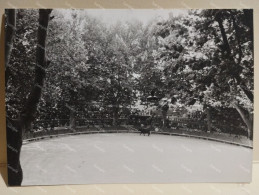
(9, 34)
(16, 128)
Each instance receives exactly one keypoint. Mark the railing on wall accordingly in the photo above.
(180, 126)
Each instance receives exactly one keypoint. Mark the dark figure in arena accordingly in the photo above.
(145, 130)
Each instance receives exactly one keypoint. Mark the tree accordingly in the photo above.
(207, 57)
(149, 80)
(9, 35)
(117, 69)
(22, 61)
(16, 128)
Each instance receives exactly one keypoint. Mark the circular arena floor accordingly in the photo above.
(131, 158)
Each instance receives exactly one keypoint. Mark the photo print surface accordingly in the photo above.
(129, 96)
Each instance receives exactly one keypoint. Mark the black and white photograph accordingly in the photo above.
(129, 96)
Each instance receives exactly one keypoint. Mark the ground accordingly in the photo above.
(131, 158)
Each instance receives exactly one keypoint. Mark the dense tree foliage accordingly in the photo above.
(203, 58)
(207, 58)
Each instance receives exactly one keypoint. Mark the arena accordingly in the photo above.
(131, 158)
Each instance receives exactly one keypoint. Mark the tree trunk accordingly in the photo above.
(223, 34)
(72, 120)
(9, 35)
(164, 114)
(115, 116)
(16, 128)
(13, 128)
(247, 120)
(208, 114)
(41, 64)
(165, 109)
